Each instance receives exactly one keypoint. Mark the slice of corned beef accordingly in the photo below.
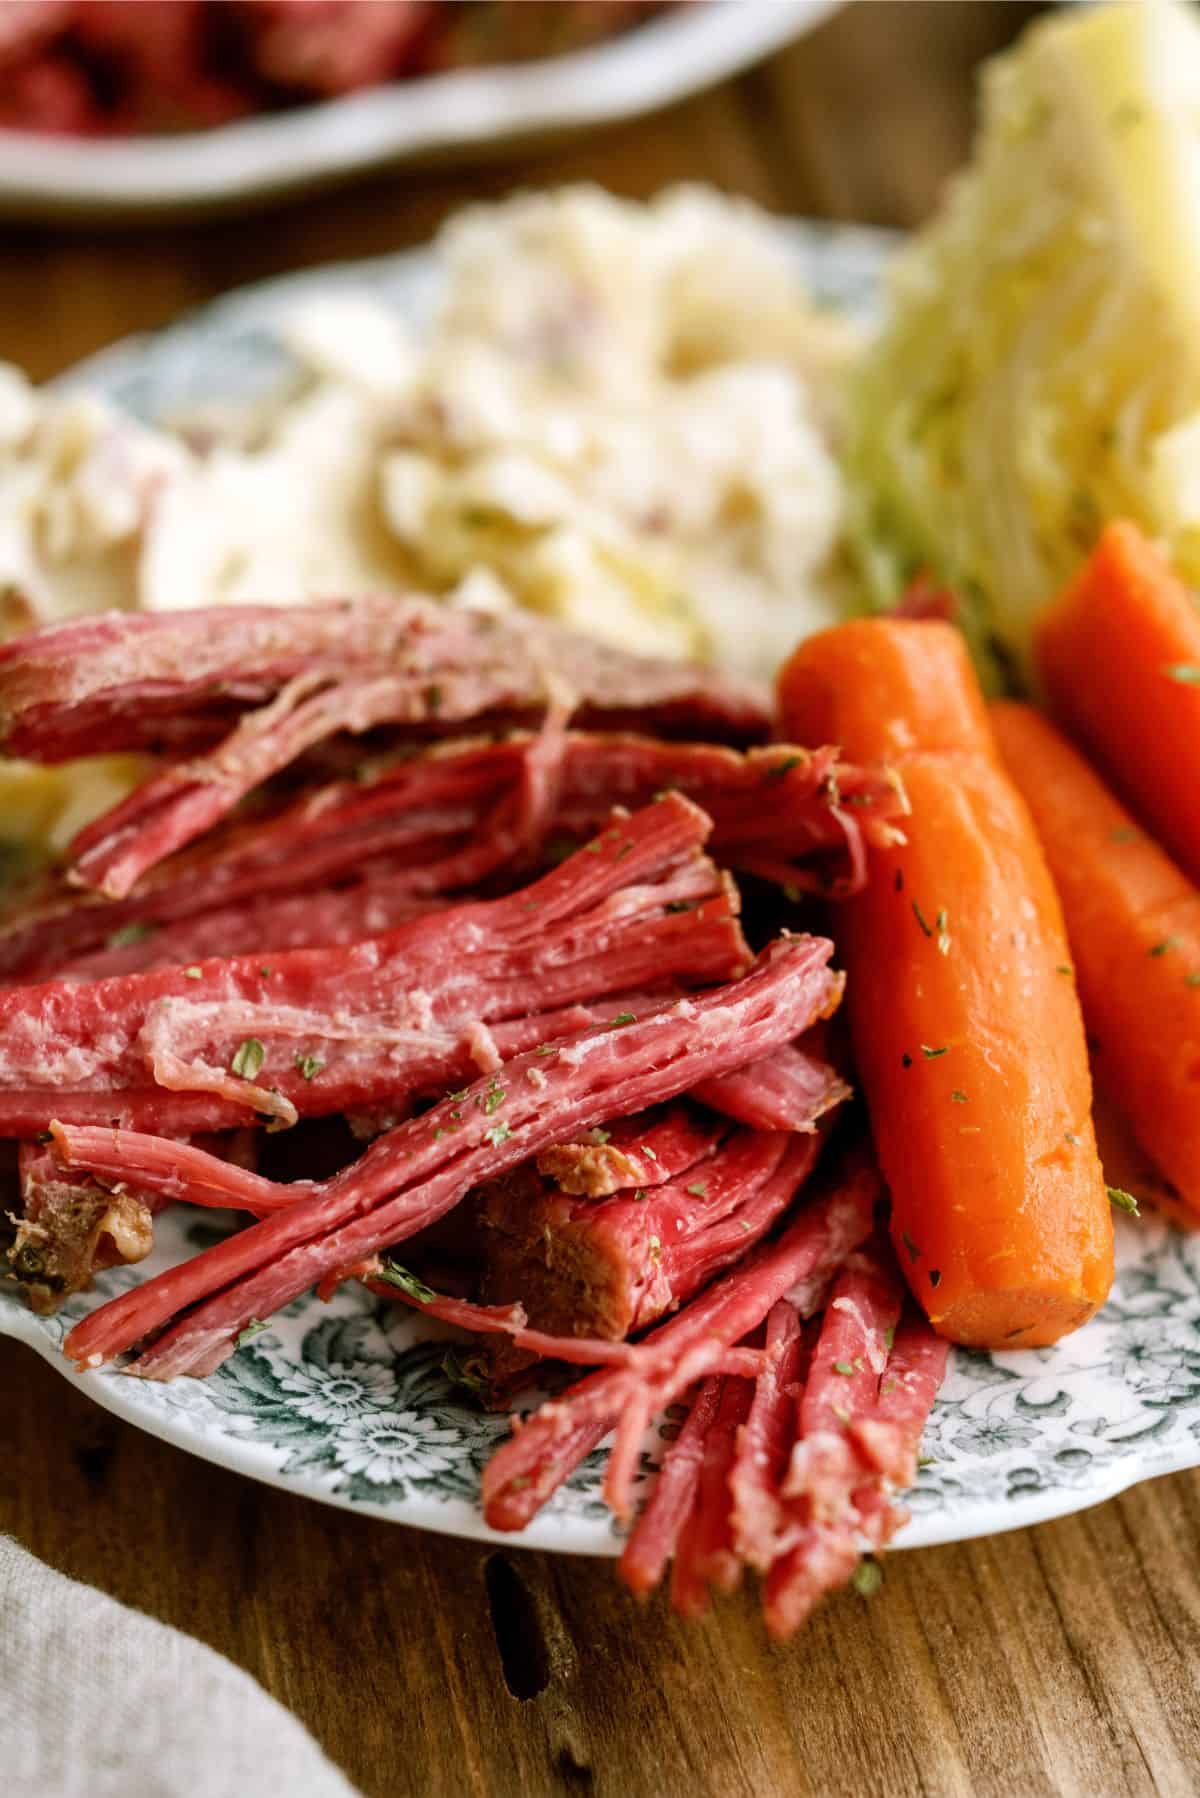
(630, 1152)
(608, 1268)
(765, 1441)
(424, 1167)
(827, 1544)
(782, 813)
(655, 1537)
(324, 919)
(791, 1090)
(451, 816)
(311, 1032)
(799, 1480)
(798, 1265)
(100, 683)
(705, 1555)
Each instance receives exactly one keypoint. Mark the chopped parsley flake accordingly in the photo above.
(698, 1189)
(958, 1097)
(639, 1192)
(622, 1017)
(676, 905)
(254, 1328)
(889, 1338)
(918, 914)
(782, 769)
(1072, 1139)
(546, 1049)
(868, 1577)
(248, 1058)
(392, 1274)
(193, 973)
(497, 1134)
(932, 1054)
(943, 933)
(599, 1137)
(843, 1367)
(1186, 673)
(1124, 833)
(1192, 979)
(309, 1066)
(494, 1096)
(1124, 1201)
(649, 1152)
(1064, 967)
(127, 935)
(1168, 942)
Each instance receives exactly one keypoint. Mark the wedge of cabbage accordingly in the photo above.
(1040, 368)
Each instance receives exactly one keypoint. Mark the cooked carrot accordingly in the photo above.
(1133, 919)
(967, 1032)
(890, 685)
(1119, 655)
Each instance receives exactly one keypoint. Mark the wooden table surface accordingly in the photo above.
(1064, 1659)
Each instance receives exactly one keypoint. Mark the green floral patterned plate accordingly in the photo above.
(350, 1402)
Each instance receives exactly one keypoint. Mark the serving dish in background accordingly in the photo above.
(427, 118)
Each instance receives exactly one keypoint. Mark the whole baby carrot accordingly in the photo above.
(966, 1026)
(1119, 656)
(1133, 919)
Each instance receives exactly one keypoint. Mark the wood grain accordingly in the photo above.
(1063, 1660)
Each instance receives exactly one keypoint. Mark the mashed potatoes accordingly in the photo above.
(617, 415)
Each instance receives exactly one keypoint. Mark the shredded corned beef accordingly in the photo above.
(609, 1268)
(632, 1152)
(765, 1440)
(791, 1090)
(323, 1030)
(457, 813)
(524, 1473)
(302, 676)
(423, 1167)
(654, 1539)
(626, 1178)
(105, 682)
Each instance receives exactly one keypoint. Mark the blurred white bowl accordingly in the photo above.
(432, 116)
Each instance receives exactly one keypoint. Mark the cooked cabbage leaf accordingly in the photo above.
(1039, 371)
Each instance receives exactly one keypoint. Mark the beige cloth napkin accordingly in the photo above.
(98, 1701)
